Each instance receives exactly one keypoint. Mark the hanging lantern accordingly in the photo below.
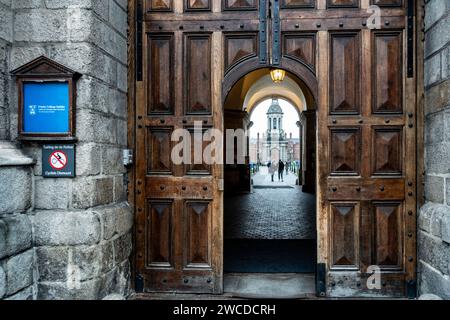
(277, 75)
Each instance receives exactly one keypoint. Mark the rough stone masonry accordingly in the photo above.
(434, 220)
(64, 238)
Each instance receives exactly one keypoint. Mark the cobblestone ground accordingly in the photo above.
(282, 212)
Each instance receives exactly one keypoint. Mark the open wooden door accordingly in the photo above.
(183, 50)
(367, 146)
(363, 81)
(362, 54)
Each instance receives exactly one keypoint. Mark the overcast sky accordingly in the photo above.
(290, 118)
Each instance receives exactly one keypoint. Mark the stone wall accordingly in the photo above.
(17, 255)
(434, 220)
(6, 24)
(81, 239)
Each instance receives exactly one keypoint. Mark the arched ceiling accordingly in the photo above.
(265, 88)
(258, 86)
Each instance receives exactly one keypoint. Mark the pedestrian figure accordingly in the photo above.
(272, 170)
(281, 171)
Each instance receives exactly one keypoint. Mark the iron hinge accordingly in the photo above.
(321, 275)
(139, 35)
(411, 289)
(410, 39)
(139, 283)
(263, 32)
(276, 49)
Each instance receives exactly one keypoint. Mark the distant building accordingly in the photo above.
(274, 143)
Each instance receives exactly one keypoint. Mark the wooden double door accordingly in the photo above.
(185, 57)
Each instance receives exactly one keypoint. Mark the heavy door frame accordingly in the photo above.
(136, 88)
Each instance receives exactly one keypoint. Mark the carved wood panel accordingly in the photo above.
(343, 3)
(345, 155)
(388, 234)
(292, 4)
(240, 4)
(388, 154)
(387, 3)
(161, 73)
(197, 66)
(198, 166)
(387, 72)
(160, 5)
(345, 78)
(300, 47)
(344, 235)
(239, 47)
(159, 234)
(159, 150)
(198, 224)
(198, 5)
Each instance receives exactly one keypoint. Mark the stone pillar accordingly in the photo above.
(82, 227)
(6, 33)
(434, 220)
(17, 255)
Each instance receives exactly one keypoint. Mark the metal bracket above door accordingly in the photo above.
(139, 34)
(276, 32)
(410, 39)
(262, 31)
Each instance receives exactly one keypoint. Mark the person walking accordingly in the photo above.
(272, 170)
(281, 167)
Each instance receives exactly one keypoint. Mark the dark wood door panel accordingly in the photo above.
(387, 72)
(387, 153)
(387, 3)
(345, 151)
(180, 187)
(240, 4)
(344, 235)
(345, 76)
(239, 47)
(197, 67)
(300, 46)
(159, 148)
(356, 285)
(197, 5)
(343, 3)
(161, 73)
(188, 281)
(365, 188)
(297, 4)
(159, 5)
(197, 227)
(388, 235)
(159, 231)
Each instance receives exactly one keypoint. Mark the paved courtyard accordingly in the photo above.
(264, 179)
(271, 211)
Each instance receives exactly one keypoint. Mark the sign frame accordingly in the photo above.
(43, 70)
(69, 168)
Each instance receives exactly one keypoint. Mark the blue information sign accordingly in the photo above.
(46, 108)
